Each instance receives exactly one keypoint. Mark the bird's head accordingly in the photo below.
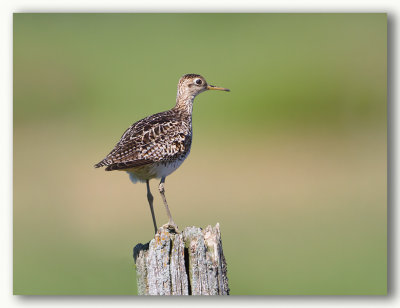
(190, 85)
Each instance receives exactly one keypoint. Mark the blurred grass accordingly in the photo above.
(292, 162)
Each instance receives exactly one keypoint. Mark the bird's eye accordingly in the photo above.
(198, 81)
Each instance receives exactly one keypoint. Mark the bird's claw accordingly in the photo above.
(171, 226)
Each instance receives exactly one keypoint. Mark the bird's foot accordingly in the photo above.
(171, 226)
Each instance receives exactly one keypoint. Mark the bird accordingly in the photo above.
(154, 147)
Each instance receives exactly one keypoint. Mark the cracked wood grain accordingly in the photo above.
(187, 263)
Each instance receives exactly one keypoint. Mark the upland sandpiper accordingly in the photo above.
(156, 146)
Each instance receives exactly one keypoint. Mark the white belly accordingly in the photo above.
(154, 171)
(163, 170)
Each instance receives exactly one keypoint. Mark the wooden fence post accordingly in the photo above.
(187, 263)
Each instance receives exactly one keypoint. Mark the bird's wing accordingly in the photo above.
(149, 140)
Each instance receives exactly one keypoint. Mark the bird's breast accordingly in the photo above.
(165, 168)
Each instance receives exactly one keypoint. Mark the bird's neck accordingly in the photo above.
(184, 105)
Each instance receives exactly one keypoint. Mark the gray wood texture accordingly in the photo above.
(188, 263)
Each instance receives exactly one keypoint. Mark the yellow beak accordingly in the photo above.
(210, 87)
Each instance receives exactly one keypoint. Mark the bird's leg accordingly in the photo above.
(150, 199)
(171, 222)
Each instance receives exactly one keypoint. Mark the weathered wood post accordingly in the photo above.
(187, 263)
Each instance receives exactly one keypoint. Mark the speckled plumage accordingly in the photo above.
(157, 145)
(157, 140)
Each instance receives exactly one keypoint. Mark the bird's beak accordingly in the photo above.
(210, 87)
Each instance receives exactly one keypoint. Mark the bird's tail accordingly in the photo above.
(103, 163)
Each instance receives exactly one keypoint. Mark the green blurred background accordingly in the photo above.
(291, 163)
